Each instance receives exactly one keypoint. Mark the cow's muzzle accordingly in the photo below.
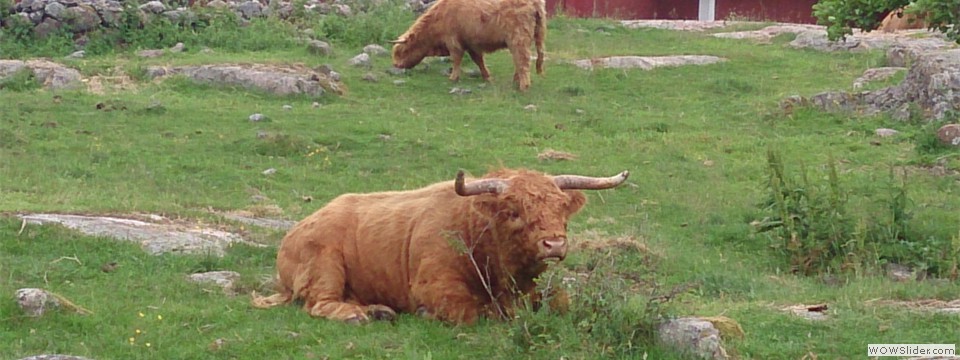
(553, 248)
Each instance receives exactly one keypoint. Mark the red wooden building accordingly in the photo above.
(794, 11)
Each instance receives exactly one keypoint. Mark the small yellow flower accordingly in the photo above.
(141, 314)
(159, 317)
(147, 344)
(132, 340)
(138, 331)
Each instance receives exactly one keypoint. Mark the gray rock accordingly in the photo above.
(360, 60)
(884, 132)
(55, 10)
(876, 74)
(257, 117)
(77, 55)
(154, 238)
(274, 79)
(153, 7)
(287, 107)
(177, 48)
(899, 272)
(318, 47)
(153, 53)
(396, 71)
(250, 9)
(55, 357)
(50, 75)
(835, 101)
(370, 77)
(375, 50)
(46, 27)
(342, 9)
(269, 171)
(399, 82)
(646, 62)
(225, 280)
(82, 18)
(264, 223)
(949, 135)
(693, 336)
(36, 302)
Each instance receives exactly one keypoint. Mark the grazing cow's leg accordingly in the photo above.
(521, 63)
(477, 58)
(456, 55)
(321, 283)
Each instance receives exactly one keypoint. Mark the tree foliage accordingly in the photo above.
(842, 16)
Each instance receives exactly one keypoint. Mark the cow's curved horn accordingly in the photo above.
(589, 183)
(477, 187)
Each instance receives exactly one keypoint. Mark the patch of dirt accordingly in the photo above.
(103, 84)
(923, 305)
(157, 235)
(593, 240)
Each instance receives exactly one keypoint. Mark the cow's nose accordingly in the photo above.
(554, 248)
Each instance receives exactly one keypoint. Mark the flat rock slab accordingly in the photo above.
(275, 79)
(154, 238)
(815, 37)
(226, 280)
(50, 75)
(693, 336)
(646, 62)
(55, 357)
(680, 25)
(262, 222)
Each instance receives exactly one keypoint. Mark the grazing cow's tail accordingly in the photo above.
(270, 301)
(540, 33)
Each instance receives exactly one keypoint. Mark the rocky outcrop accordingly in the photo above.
(49, 75)
(274, 79)
(155, 238)
(646, 62)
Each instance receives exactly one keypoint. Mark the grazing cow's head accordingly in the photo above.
(532, 209)
(408, 53)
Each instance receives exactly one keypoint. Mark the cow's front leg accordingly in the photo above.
(477, 58)
(456, 56)
(440, 293)
(321, 283)
(521, 65)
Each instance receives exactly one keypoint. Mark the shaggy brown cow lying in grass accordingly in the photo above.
(453, 251)
(901, 19)
(452, 27)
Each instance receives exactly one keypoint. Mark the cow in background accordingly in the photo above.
(902, 19)
(452, 27)
(453, 251)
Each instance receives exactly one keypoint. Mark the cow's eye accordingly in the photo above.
(514, 215)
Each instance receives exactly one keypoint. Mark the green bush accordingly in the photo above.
(842, 16)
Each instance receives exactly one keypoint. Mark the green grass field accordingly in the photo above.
(695, 140)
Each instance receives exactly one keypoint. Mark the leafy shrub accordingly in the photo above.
(807, 223)
(810, 224)
(841, 16)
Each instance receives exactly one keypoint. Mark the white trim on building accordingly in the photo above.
(708, 10)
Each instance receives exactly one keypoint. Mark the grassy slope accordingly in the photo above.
(201, 152)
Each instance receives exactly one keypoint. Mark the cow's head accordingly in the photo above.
(532, 209)
(407, 52)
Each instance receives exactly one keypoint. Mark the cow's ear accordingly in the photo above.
(576, 202)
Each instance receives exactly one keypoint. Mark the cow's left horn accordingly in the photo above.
(477, 187)
(590, 183)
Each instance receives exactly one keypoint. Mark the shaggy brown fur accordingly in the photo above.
(452, 27)
(900, 19)
(428, 251)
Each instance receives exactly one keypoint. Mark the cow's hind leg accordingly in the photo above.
(321, 283)
(521, 64)
(477, 58)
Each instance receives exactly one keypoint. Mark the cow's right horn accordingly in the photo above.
(589, 183)
(477, 187)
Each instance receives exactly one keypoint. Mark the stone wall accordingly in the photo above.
(81, 16)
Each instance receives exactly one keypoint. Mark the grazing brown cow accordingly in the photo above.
(453, 251)
(452, 27)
